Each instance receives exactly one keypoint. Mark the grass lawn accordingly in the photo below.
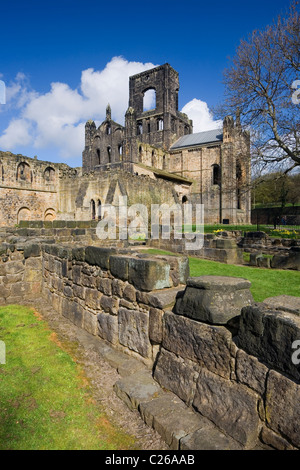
(45, 399)
(265, 282)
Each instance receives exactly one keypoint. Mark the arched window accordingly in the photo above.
(216, 176)
(50, 214)
(98, 157)
(109, 154)
(23, 214)
(139, 128)
(49, 174)
(93, 209)
(108, 129)
(23, 172)
(160, 124)
(149, 100)
(153, 158)
(120, 148)
(184, 199)
(99, 210)
(140, 154)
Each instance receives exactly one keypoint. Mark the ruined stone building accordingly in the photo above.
(153, 158)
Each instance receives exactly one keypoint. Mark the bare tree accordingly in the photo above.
(259, 83)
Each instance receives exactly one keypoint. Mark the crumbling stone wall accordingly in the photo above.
(20, 272)
(114, 295)
(204, 339)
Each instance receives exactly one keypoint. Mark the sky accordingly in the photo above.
(63, 61)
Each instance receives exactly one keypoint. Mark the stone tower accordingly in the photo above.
(163, 124)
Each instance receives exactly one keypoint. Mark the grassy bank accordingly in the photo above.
(45, 399)
(265, 282)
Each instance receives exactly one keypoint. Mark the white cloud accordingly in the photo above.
(56, 119)
(198, 111)
(18, 132)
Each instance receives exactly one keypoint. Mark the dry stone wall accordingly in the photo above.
(227, 358)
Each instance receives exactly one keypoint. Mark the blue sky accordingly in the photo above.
(62, 61)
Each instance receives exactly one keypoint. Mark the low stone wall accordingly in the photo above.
(119, 296)
(203, 339)
(240, 375)
(20, 272)
(214, 248)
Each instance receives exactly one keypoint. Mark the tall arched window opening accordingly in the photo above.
(93, 209)
(216, 175)
(149, 100)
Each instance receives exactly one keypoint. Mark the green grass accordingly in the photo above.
(45, 399)
(265, 282)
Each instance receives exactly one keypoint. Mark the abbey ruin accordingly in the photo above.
(202, 363)
(154, 158)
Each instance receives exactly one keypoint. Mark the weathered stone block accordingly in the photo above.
(137, 388)
(170, 418)
(97, 256)
(129, 293)
(73, 311)
(149, 274)
(179, 268)
(210, 346)
(109, 304)
(93, 298)
(76, 274)
(104, 285)
(68, 291)
(14, 267)
(208, 437)
(134, 331)
(78, 254)
(177, 375)
(118, 287)
(165, 298)
(32, 250)
(251, 372)
(253, 258)
(79, 291)
(283, 407)
(214, 299)
(269, 335)
(232, 407)
(155, 325)
(285, 303)
(108, 327)
(119, 267)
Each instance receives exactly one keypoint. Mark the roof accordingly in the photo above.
(200, 138)
(165, 174)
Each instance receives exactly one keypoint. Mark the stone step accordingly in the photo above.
(178, 425)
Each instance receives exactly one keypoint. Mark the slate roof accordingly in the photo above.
(200, 138)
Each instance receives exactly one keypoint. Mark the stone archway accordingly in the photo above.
(23, 214)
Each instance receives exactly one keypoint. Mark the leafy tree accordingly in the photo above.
(259, 86)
